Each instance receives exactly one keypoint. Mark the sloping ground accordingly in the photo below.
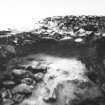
(60, 62)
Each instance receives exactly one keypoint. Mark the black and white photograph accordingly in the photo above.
(52, 52)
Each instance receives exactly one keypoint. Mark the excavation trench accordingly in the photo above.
(58, 71)
(61, 82)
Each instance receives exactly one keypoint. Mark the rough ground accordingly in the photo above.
(60, 62)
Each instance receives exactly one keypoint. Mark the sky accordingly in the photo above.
(23, 14)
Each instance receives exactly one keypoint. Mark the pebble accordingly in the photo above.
(8, 83)
(6, 93)
(19, 71)
(78, 40)
(8, 102)
(18, 98)
(22, 88)
(103, 34)
(81, 30)
(39, 76)
(28, 81)
(66, 38)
